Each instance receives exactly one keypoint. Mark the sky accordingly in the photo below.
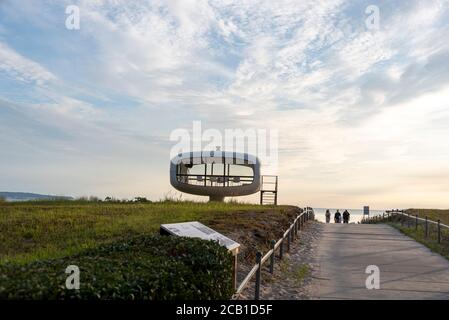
(361, 110)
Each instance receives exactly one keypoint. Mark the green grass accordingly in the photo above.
(39, 230)
(432, 214)
(301, 273)
(298, 273)
(283, 265)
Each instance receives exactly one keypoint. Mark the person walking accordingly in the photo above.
(337, 217)
(328, 216)
(346, 216)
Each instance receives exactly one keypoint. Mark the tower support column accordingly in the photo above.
(216, 198)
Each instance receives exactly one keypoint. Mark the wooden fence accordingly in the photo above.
(288, 237)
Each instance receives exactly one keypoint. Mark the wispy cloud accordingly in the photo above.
(21, 68)
(358, 111)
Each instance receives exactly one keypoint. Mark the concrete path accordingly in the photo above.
(408, 270)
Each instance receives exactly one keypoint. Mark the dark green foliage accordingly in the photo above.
(144, 267)
(141, 200)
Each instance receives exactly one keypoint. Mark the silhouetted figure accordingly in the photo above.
(337, 217)
(346, 216)
(328, 216)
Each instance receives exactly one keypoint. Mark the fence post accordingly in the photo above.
(416, 222)
(427, 228)
(272, 257)
(288, 240)
(281, 249)
(402, 220)
(439, 231)
(258, 262)
(293, 232)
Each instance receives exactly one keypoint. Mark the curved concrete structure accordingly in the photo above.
(216, 174)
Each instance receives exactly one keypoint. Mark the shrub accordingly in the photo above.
(144, 267)
(141, 200)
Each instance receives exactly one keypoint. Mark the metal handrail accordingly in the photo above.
(391, 213)
(247, 279)
(266, 256)
(421, 219)
(416, 219)
(211, 175)
(278, 243)
(257, 267)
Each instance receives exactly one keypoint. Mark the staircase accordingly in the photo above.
(269, 190)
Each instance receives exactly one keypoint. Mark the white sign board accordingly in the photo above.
(366, 210)
(195, 229)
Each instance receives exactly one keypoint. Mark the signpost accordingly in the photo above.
(195, 229)
(366, 210)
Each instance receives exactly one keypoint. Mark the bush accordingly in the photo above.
(144, 267)
(141, 200)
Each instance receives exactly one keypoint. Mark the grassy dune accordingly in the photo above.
(43, 230)
(432, 214)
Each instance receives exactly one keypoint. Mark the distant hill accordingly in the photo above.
(25, 196)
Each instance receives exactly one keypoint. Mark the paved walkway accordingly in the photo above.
(408, 270)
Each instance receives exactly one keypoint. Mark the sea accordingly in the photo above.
(356, 214)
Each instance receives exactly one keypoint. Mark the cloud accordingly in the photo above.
(356, 109)
(20, 68)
